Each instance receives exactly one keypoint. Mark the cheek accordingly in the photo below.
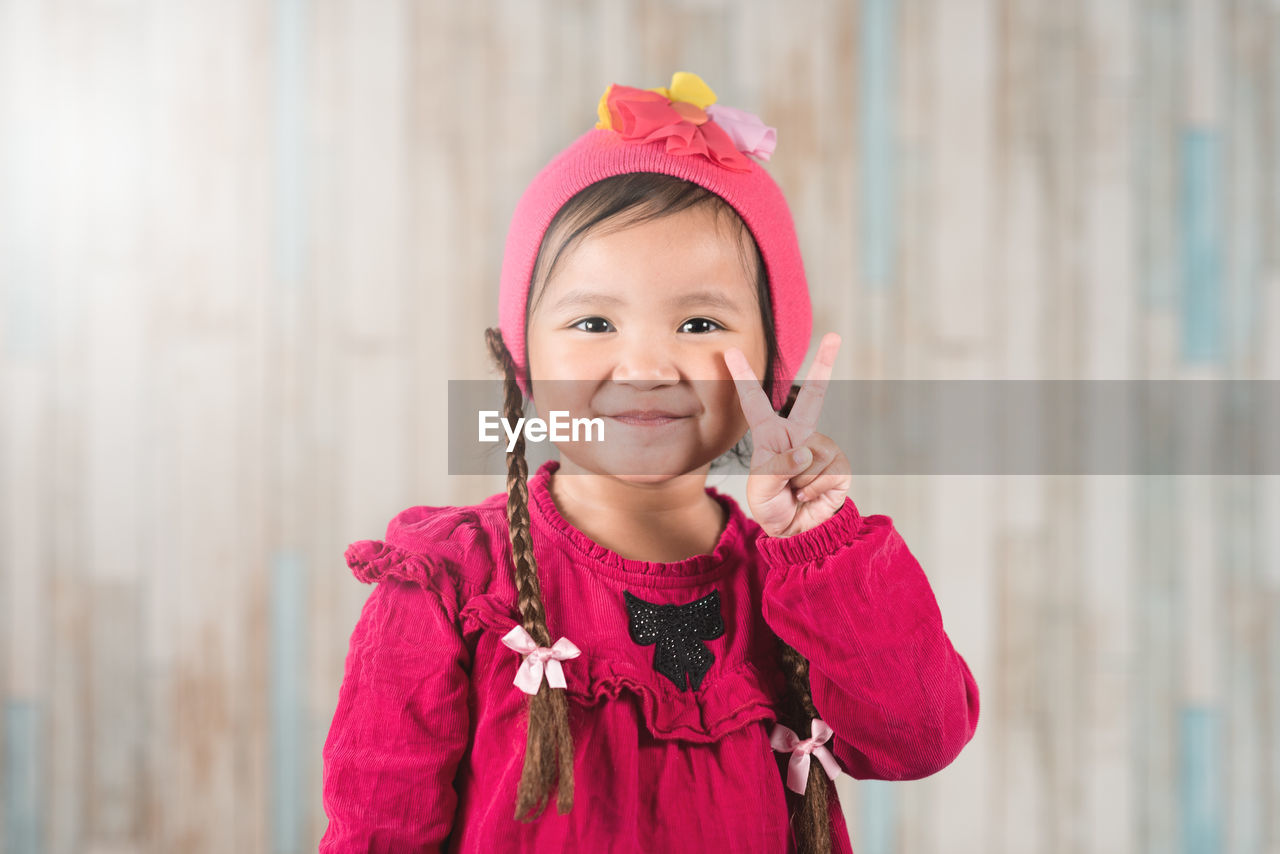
(758, 355)
(552, 353)
(728, 409)
(556, 366)
(549, 357)
(536, 343)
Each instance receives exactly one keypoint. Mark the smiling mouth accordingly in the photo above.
(647, 419)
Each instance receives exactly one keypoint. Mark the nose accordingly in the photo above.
(644, 362)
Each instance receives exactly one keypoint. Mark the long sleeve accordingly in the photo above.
(400, 728)
(850, 597)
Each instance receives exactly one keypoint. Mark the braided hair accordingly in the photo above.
(625, 200)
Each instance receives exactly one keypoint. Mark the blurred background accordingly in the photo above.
(245, 245)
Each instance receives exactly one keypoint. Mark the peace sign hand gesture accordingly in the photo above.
(799, 477)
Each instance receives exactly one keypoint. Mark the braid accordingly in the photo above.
(812, 822)
(549, 747)
(809, 811)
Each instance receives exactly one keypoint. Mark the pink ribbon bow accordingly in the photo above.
(783, 739)
(536, 658)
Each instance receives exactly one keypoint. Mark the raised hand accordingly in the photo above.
(799, 478)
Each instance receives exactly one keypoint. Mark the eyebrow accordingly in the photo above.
(715, 299)
(581, 296)
(712, 298)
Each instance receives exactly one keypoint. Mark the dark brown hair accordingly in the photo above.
(612, 204)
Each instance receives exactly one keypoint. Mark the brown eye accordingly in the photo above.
(700, 325)
(597, 324)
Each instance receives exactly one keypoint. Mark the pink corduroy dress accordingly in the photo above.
(428, 739)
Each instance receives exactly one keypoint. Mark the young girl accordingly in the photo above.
(626, 641)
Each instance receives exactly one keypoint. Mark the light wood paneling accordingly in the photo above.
(245, 246)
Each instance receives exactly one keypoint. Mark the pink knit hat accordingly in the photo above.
(679, 132)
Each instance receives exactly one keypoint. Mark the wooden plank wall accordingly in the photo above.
(245, 245)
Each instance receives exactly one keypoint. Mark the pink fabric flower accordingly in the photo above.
(749, 134)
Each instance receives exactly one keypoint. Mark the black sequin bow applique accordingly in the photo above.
(679, 632)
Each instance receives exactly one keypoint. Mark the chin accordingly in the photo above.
(644, 478)
(639, 465)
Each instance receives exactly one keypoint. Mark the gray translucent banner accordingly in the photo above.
(917, 427)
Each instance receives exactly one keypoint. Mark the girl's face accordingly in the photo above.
(632, 327)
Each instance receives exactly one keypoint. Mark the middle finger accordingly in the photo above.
(808, 405)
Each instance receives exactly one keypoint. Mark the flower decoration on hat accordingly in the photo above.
(688, 118)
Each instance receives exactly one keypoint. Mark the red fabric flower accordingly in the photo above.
(643, 115)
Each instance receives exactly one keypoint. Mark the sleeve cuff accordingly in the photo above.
(809, 546)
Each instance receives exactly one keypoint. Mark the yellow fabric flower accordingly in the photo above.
(687, 86)
(602, 110)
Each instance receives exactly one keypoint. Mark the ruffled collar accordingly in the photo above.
(729, 549)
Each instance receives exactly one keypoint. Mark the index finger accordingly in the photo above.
(808, 405)
(755, 403)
